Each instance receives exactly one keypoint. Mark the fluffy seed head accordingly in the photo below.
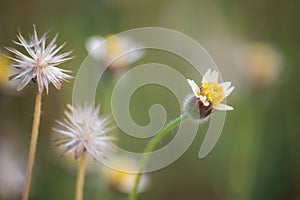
(84, 131)
(39, 62)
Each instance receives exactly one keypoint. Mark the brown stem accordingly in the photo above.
(80, 178)
(33, 142)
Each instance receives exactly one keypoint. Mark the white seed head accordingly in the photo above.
(84, 131)
(39, 62)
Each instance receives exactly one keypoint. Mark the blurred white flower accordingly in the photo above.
(39, 63)
(263, 63)
(84, 131)
(247, 64)
(113, 48)
(11, 172)
(123, 181)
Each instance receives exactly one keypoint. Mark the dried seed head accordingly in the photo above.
(39, 63)
(84, 131)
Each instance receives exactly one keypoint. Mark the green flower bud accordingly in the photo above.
(196, 109)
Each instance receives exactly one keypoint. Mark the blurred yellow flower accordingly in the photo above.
(123, 181)
(5, 72)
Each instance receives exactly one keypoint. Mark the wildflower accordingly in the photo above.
(39, 63)
(112, 49)
(209, 95)
(121, 180)
(206, 98)
(263, 64)
(84, 131)
(12, 177)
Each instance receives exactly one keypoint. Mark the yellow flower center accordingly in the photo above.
(114, 45)
(213, 92)
(120, 176)
(114, 49)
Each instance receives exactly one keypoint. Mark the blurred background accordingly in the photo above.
(255, 44)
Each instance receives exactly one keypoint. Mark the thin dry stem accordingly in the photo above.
(33, 142)
(80, 178)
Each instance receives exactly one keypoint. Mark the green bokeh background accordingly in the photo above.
(256, 157)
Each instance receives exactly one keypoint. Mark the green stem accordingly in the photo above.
(148, 150)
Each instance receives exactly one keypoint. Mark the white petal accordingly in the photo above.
(214, 76)
(95, 46)
(144, 183)
(210, 76)
(203, 99)
(225, 85)
(223, 107)
(135, 55)
(136, 50)
(127, 42)
(194, 87)
(228, 92)
(206, 76)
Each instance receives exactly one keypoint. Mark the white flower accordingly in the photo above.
(263, 64)
(122, 180)
(12, 169)
(39, 63)
(84, 131)
(211, 93)
(112, 49)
